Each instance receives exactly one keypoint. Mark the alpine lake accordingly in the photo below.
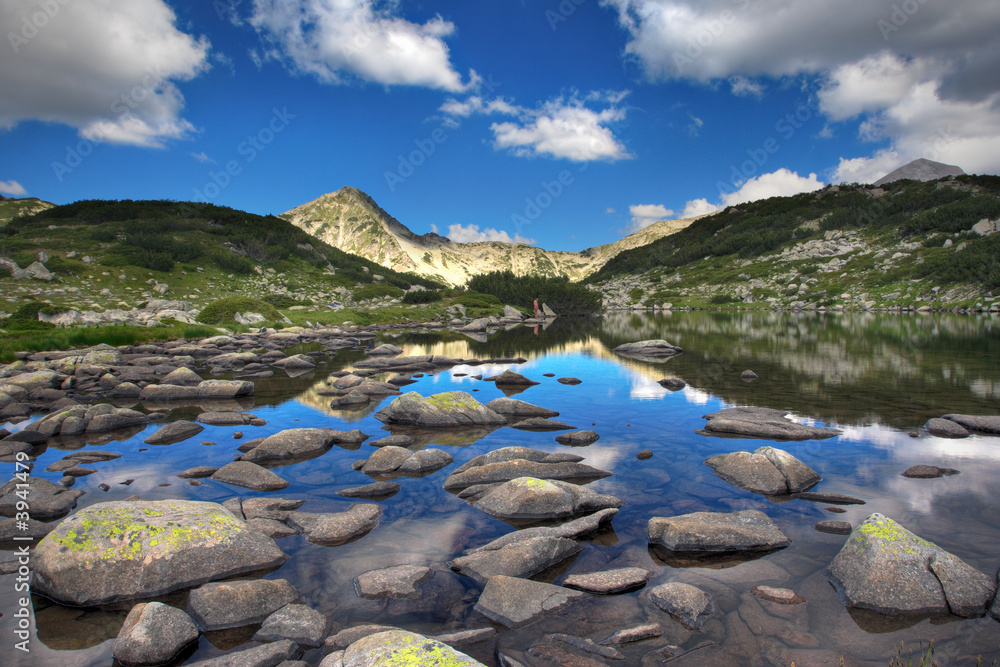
(877, 378)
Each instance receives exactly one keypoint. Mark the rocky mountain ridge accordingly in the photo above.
(350, 220)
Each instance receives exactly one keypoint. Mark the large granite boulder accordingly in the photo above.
(768, 470)
(981, 423)
(886, 568)
(513, 602)
(533, 498)
(762, 423)
(946, 428)
(507, 463)
(399, 647)
(231, 604)
(453, 408)
(720, 532)
(299, 444)
(127, 550)
(153, 634)
(249, 475)
(648, 348)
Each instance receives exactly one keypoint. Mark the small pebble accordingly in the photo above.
(238, 435)
(644, 454)
(103, 487)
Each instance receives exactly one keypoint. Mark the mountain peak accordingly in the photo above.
(921, 169)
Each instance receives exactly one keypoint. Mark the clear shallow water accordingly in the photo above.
(877, 377)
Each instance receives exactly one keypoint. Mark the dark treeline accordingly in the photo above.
(562, 296)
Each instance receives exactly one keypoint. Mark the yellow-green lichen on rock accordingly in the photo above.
(399, 648)
(126, 550)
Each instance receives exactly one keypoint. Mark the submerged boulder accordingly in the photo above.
(127, 550)
(762, 423)
(767, 470)
(453, 408)
(886, 568)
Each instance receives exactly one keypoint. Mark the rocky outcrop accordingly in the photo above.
(768, 470)
(749, 530)
(886, 568)
(127, 550)
(453, 408)
(762, 423)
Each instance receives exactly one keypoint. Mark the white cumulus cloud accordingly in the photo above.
(644, 215)
(337, 39)
(780, 183)
(106, 67)
(472, 234)
(12, 188)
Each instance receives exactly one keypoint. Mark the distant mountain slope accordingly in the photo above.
(921, 170)
(13, 208)
(351, 220)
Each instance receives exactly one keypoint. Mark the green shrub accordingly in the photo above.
(25, 319)
(233, 263)
(720, 299)
(422, 296)
(376, 292)
(471, 299)
(224, 310)
(636, 294)
(284, 301)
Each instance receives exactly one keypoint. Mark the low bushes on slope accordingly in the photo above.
(224, 310)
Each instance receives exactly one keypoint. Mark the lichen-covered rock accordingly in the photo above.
(886, 568)
(127, 550)
(767, 470)
(762, 423)
(453, 408)
(231, 604)
(399, 647)
(749, 530)
(153, 634)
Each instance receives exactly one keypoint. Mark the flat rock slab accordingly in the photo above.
(609, 582)
(153, 634)
(928, 472)
(300, 444)
(249, 475)
(578, 438)
(509, 463)
(227, 418)
(569, 381)
(511, 407)
(268, 655)
(749, 530)
(47, 500)
(174, 432)
(390, 459)
(834, 527)
(125, 550)
(380, 490)
(778, 595)
(541, 424)
(297, 622)
(523, 558)
(513, 602)
(399, 582)
(768, 470)
(571, 529)
(532, 498)
(453, 408)
(199, 472)
(946, 428)
(231, 604)
(886, 568)
(762, 423)
(332, 529)
(393, 441)
(832, 498)
(634, 634)
(690, 605)
(981, 423)
(648, 348)
(399, 647)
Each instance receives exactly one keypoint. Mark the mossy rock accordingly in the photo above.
(399, 648)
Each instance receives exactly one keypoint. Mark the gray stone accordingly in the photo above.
(768, 471)
(399, 647)
(691, 606)
(385, 349)
(47, 500)
(398, 582)
(227, 418)
(514, 602)
(749, 530)
(304, 626)
(225, 389)
(777, 595)
(634, 634)
(748, 376)
(946, 428)
(13, 528)
(373, 490)
(648, 348)
(523, 558)
(982, 423)
(332, 529)
(182, 376)
(511, 379)
(609, 582)
(532, 498)
(153, 634)
(295, 362)
(454, 408)
(174, 432)
(348, 636)
(231, 604)
(571, 529)
(888, 569)
(268, 655)
(393, 441)
(199, 472)
(928, 472)
(249, 475)
(578, 438)
(298, 444)
(540, 424)
(510, 463)
(762, 423)
(834, 527)
(126, 550)
(511, 407)
(672, 384)
(118, 418)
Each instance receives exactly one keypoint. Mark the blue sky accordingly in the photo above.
(566, 123)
